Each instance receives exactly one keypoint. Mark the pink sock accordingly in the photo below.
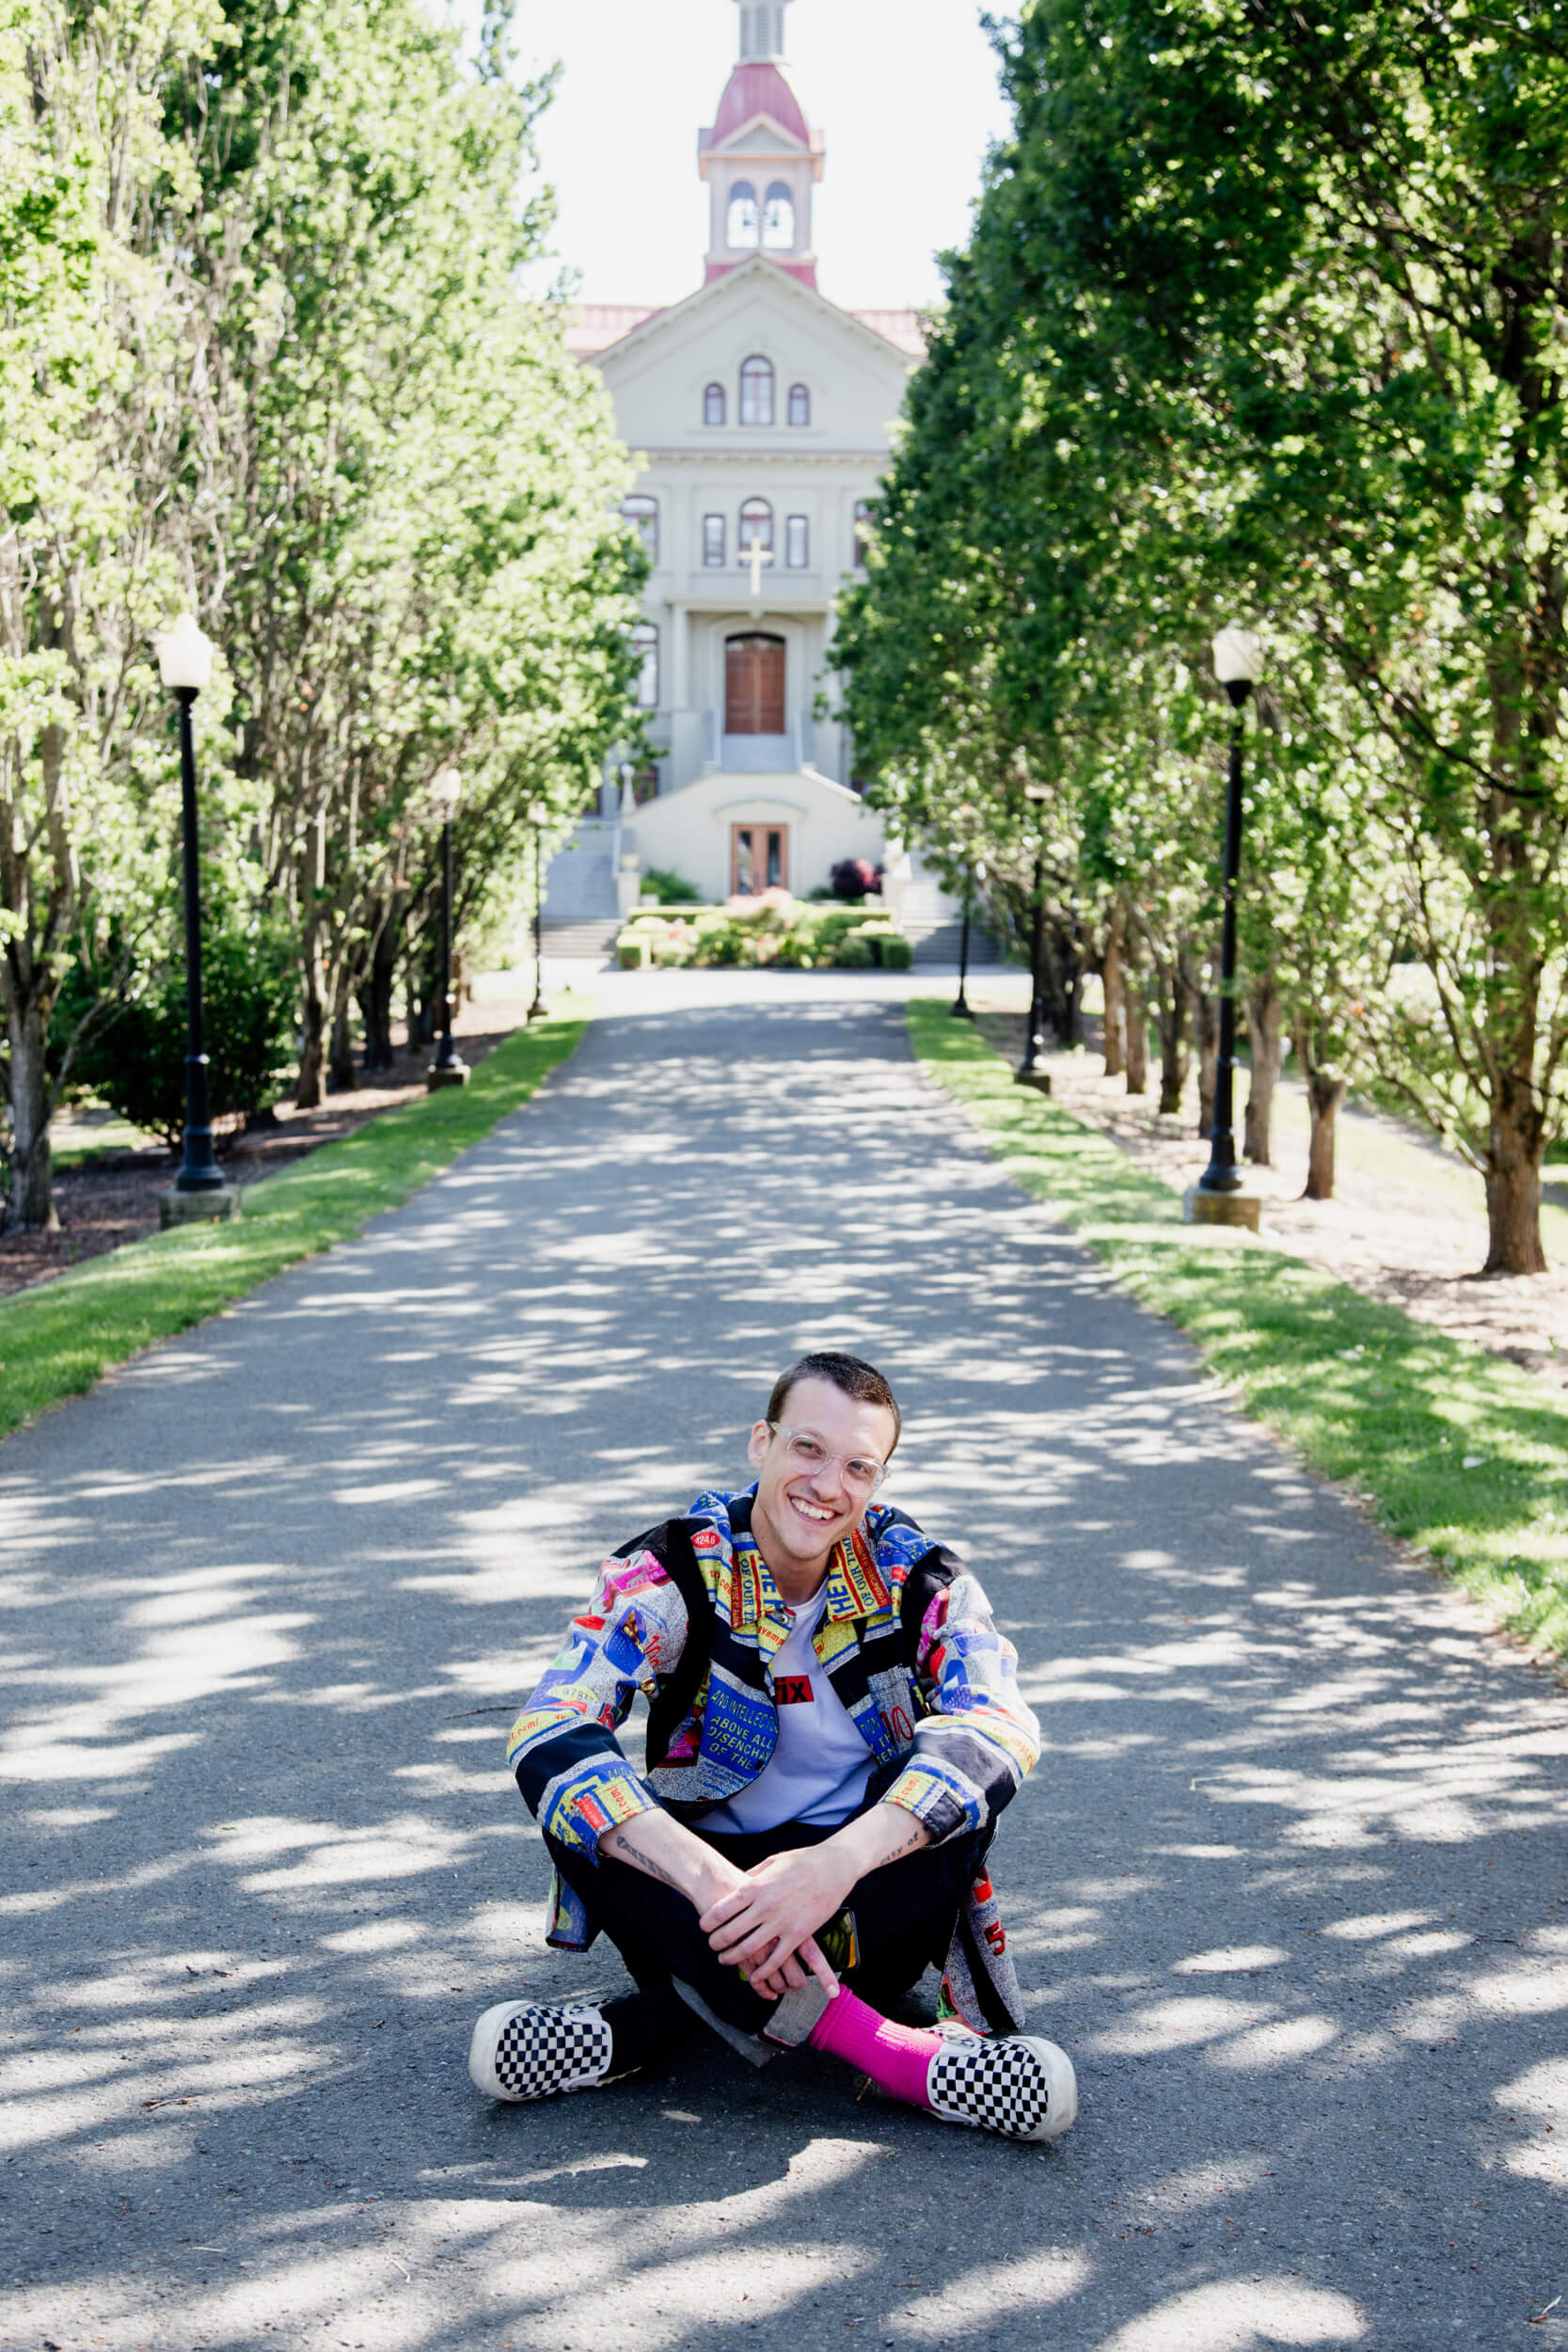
(897, 2058)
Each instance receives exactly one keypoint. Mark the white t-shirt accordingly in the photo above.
(820, 1769)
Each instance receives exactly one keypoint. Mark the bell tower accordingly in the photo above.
(760, 158)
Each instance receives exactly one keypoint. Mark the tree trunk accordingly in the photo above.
(1115, 1005)
(1264, 1022)
(1134, 1022)
(1518, 1134)
(31, 1208)
(342, 1074)
(1171, 1015)
(309, 1088)
(309, 1092)
(376, 992)
(1204, 1013)
(1072, 991)
(1325, 1091)
(1137, 1042)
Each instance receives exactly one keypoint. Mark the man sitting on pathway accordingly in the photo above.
(834, 1726)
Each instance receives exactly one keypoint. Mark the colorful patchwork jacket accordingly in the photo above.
(689, 1615)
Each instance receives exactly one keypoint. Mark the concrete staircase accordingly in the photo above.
(938, 941)
(589, 941)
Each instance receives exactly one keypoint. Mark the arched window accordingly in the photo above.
(644, 642)
(740, 225)
(713, 403)
(863, 531)
(644, 513)
(757, 527)
(778, 219)
(800, 404)
(757, 392)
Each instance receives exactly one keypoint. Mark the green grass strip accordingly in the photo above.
(1368, 1396)
(58, 1340)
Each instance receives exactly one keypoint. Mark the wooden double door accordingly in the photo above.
(759, 858)
(754, 685)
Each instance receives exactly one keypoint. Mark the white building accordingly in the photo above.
(761, 413)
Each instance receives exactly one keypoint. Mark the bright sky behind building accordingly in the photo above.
(906, 95)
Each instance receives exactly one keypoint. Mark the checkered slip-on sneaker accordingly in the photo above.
(1017, 2084)
(533, 2050)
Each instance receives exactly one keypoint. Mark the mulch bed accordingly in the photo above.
(106, 1202)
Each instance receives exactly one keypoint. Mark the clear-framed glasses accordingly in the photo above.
(862, 1472)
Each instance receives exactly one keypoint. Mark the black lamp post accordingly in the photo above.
(961, 1009)
(1031, 1070)
(538, 817)
(448, 1068)
(1238, 666)
(185, 666)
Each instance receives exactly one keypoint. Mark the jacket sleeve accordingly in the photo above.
(977, 1738)
(562, 1746)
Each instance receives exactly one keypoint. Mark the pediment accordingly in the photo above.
(756, 285)
(762, 135)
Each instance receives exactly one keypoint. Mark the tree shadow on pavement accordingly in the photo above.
(1284, 1882)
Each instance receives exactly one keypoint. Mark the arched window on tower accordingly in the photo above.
(740, 224)
(757, 392)
(644, 643)
(757, 527)
(778, 219)
(713, 403)
(800, 404)
(643, 513)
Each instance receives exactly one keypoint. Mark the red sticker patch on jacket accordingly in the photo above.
(792, 1691)
(590, 1625)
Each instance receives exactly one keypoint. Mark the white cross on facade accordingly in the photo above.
(757, 556)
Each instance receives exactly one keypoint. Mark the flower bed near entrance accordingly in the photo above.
(775, 929)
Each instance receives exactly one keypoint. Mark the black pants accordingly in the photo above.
(905, 1914)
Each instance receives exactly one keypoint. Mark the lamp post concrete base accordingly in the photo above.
(1220, 1207)
(1039, 1079)
(452, 1073)
(196, 1208)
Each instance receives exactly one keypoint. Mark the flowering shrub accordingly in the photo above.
(768, 928)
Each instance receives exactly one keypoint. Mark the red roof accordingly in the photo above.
(757, 88)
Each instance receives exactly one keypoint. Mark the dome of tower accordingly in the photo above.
(757, 88)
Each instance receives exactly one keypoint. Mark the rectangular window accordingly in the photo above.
(796, 543)
(713, 540)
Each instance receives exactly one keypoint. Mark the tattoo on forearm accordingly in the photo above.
(655, 1870)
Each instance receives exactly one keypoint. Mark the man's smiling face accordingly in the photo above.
(802, 1512)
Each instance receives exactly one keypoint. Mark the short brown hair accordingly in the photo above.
(851, 1373)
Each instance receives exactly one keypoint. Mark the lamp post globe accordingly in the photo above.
(199, 1191)
(1238, 666)
(538, 817)
(448, 1068)
(1031, 1070)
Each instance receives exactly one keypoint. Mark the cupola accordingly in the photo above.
(760, 158)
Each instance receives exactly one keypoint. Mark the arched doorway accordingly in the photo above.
(754, 685)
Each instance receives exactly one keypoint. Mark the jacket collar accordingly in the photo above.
(856, 1586)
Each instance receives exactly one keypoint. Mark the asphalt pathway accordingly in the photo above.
(1287, 1883)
